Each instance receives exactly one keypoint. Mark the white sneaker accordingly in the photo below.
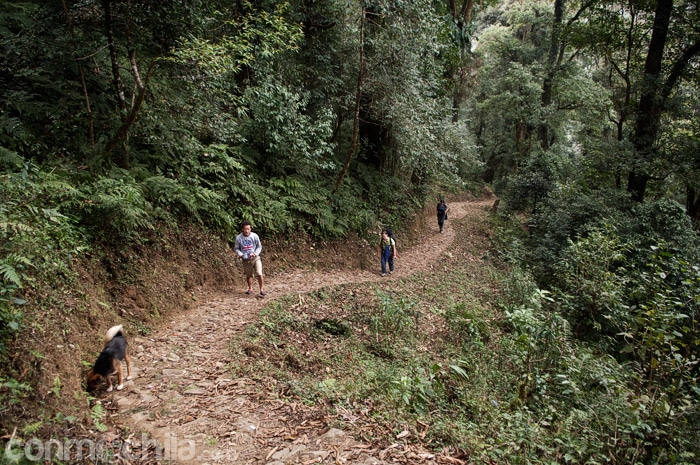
(391, 272)
(383, 275)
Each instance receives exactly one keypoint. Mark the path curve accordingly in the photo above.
(183, 396)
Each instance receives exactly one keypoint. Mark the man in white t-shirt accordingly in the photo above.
(248, 248)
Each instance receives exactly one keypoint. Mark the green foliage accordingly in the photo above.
(461, 152)
(276, 320)
(568, 213)
(11, 391)
(660, 334)
(97, 413)
(593, 281)
(466, 324)
(584, 398)
(35, 237)
(10, 159)
(285, 138)
(397, 77)
(532, 184)
(57, 385)
(334, 326)
(663, 221)
(393, 321)
(536, 332)
(257, 34)
(414, 390)
(637, 301)
(116, 206)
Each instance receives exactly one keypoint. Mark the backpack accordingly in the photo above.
(390, 233)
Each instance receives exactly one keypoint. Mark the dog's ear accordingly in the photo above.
(93, 380)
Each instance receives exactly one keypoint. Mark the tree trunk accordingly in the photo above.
(122, 160)
(358, 100)
(461, 18)
(552, 65)
(654, 95)
(458, 93)
(692, 206)
(88, 109)
(128, 112)
(112, 47)
(650, 104)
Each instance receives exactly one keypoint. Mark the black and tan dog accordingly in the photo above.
(110, 361)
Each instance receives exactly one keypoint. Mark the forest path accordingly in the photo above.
(183, 394)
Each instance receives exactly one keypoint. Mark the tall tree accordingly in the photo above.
(558, 46)
(650, 103)
(461, 16)
(655, 91)
(553, 61)
(355, 138)
(617, 35)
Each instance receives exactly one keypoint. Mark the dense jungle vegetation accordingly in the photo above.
(122, 119)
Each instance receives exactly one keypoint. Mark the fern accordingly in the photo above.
(9, 158)
(97, 413)
(193, 201)
(117, 205)
(8, 268)
(15, 129)
(15, 227)
(9, 275)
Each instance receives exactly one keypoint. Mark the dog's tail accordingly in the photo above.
(113, 332)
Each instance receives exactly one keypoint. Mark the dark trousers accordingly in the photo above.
(387, 257)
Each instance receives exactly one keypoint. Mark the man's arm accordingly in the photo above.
(258, 245)
(237, 248)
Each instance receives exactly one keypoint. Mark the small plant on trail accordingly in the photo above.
(97, 413)
(11, 391)
(276, 320)
(334, 326)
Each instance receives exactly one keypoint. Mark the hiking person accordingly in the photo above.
(387, 251)
(248, 248)
(441, 213)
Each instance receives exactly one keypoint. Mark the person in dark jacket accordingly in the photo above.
(441, 214)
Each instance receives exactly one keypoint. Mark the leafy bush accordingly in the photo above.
(661, 222)
(284, 138)
(592, 283)
(532, 184)
(563, 215)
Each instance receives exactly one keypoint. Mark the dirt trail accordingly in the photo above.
(183, 394)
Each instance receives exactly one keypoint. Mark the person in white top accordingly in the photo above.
(248, 248)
